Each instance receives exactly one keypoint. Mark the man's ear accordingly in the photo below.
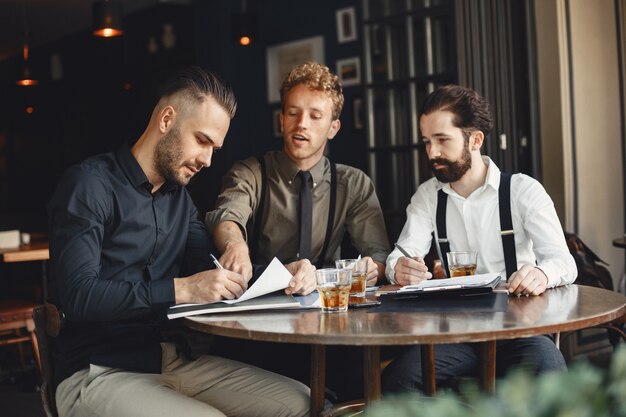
(167, 116)
(476, 140)
(335, 125)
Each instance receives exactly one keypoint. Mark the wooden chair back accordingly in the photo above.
(47, 325)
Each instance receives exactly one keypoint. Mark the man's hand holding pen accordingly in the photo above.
(303, 280)
(208, 286)
(410, 269)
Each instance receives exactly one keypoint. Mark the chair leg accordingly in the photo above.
(20, 350)
(30, 326)
(33, 338)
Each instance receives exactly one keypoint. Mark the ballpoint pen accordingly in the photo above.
(401, 249)
(216, 262)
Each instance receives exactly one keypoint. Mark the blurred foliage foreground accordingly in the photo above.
(582, 391)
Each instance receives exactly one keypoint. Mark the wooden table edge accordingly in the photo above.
(480, 336)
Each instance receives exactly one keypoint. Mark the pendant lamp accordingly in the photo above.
(27, 79)
(243, 26)
(107, 19)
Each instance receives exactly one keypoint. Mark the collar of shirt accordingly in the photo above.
(492, 180)
(134, 173)
(289, 170)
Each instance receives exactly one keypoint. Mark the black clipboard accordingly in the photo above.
(470, 301)
(442, 296)
(475, 284)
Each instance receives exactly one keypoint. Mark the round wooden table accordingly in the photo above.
(561, 309)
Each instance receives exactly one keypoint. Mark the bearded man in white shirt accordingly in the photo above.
(454, 123)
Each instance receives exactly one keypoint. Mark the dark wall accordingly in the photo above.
(106, 95)
(104, 98)
(251, 131)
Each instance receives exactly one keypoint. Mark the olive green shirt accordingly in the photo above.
(357, 209)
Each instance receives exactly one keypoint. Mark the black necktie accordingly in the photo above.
(306, 215)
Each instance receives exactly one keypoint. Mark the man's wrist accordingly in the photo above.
(235, 244)
(180, 291)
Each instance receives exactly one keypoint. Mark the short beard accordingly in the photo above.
(168, 156)
(454, 170)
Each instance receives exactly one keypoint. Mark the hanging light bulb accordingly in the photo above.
(27, 80)
(107, 19)
(243, 26)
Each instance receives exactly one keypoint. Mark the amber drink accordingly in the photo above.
(359, 274)
(462, 270)
(333, 286)
(462, 263)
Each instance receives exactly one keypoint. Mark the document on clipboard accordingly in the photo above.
(480, 283)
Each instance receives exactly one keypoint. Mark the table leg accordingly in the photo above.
(428, 369)
(488, 366)
(371, 373)
(318, 379)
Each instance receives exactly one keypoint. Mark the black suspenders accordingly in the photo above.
(506, 225)
(258, 216)
(444, 244)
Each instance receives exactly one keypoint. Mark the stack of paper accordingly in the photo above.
(260, 296)
(457, 283)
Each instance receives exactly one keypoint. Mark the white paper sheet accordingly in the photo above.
(274, 278)
(460, 282)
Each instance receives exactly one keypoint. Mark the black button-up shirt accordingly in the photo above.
(115, 248)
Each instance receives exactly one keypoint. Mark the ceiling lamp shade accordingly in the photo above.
(27, 79)
(107, 19)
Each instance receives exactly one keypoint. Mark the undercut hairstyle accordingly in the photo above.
(317, 77)
(195, 84)
(471, 111)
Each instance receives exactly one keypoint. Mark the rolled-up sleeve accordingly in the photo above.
(238, 196)
(365, 222)
(416, 235)
(542, 225)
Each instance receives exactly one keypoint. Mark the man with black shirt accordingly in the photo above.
(125, 245)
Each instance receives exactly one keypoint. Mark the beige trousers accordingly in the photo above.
(208, 386)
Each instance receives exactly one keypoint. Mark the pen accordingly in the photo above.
(404, 252)
(216, 262)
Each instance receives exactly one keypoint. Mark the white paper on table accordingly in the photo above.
(470, 281)
(275, 277)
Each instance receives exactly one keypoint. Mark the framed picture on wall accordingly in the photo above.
(349, 71)
(346, 24)
(282, 58)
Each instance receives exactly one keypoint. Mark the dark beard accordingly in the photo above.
(454, 170)
(168, 156)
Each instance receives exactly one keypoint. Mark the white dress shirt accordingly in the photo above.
(473, 224)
